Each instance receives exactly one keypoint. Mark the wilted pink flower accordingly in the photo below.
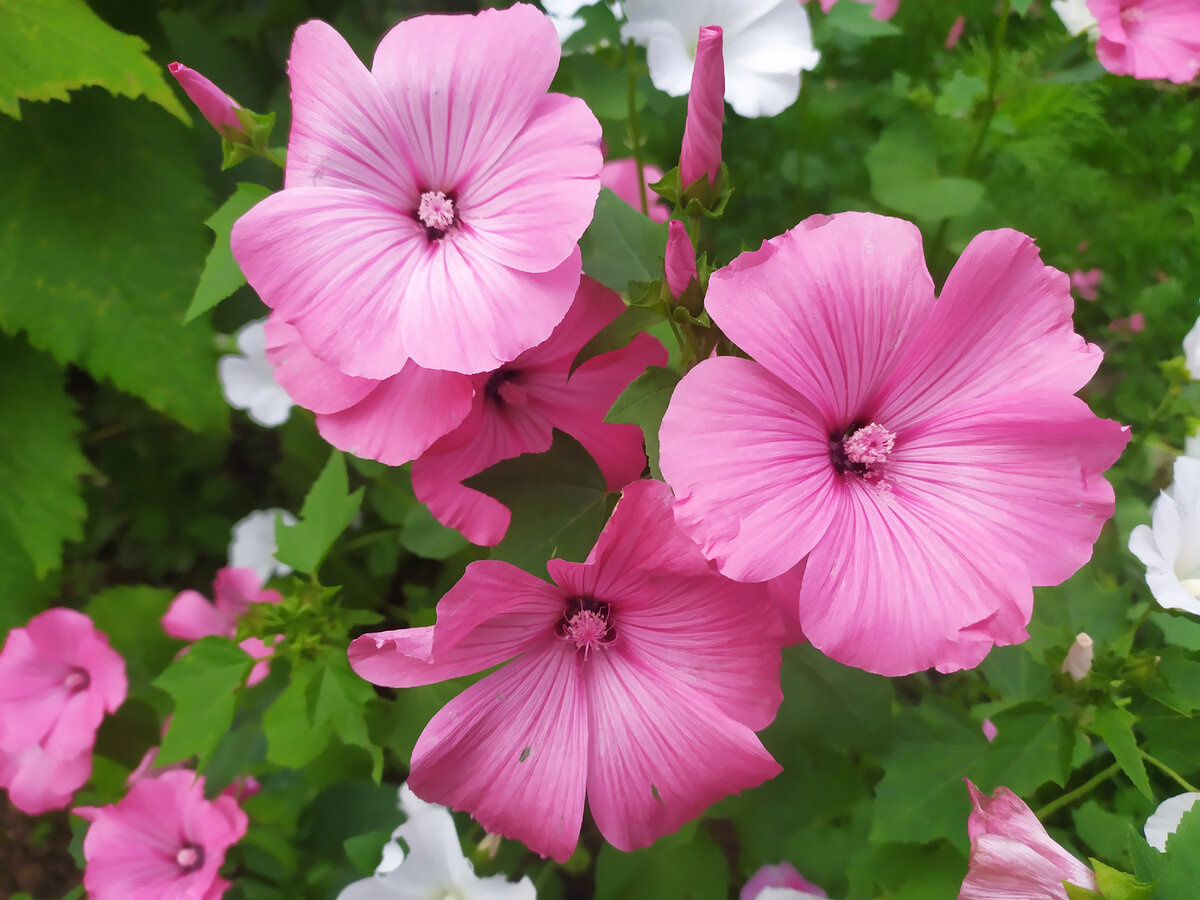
(1149, 38)
(680, 261)
(955, 32)
(700, 154)
(191, 616)
(432, 205)
(1085, 283)
(639, 679)
(58, 679)
(1012, 856)
(783, 875)
(214, 104)
(925, 454)
(882, 9)
(620, 177)
(162, 840)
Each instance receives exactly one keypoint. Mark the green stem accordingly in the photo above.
(1082, 791)
(635, 134)
(277, 156)
(1167, 770)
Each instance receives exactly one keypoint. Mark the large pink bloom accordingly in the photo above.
(1149, 38)
(639, 679)
(1012, 857)
(432, 205)
(58, 679)
(925, 454)
(163, 840)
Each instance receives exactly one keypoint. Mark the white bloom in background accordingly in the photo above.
(767, 43)
(1191, 351)
(1165, 820)
(253, 544)
(434, 867)
(248, 381)
(1079, 658)
(1170, 546)
(1191, 446)
(1075, 15)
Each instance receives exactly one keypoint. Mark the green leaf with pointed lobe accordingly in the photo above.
(328, 509)
(204, 684)
(222, 275)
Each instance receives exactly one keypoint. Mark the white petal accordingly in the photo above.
(1162, 824)
(253, 543)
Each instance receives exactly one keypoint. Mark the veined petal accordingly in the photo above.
(313, 384)
(512, 750)
(38, 782)
(191, 616)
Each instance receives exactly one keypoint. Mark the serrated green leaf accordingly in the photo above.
(50, 47)
(1147, 861)
(222, 275)
(26, 595)
(290, 741)
(1032, 746)
(1180, 872)
(100, 247)
(1178, 629)
(558, 501)
(204, 684)
(1114, 726)
(40, 463)
(904, 176)
(337, 700)
(1118, 885)
(688, 866)
(328, 509)
(632, 321)
(644, 403)
(621, 245)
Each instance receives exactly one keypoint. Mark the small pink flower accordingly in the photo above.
(955, 32)
(1012, 856)
(783, 875)
(637, 678)
(191, 616)
(58, 679)
(700, 154)
(882, 10)
(680, 262)
(1085, 283)
(214, 104)
(620, 177)
(162, 840)
(1149, 38)
(1128, 324)
(432, 206)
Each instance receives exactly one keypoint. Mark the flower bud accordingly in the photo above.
(214, 104)
(701, 151)
(680, 262)
(1079, 658)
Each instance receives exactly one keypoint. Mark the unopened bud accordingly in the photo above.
(1079, 658)
(214, 104)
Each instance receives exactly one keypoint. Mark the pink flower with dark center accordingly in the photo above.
(214, 104)
(700, 154)
(1012, 856)
(162, 840)
(1149, 38)
(432, 205)
(191, 616)
(924, 455)
(58, 679)
(620, 177)
(637, 678)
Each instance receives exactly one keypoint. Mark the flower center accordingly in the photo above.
(501, 388)
(190, 857)
(437, 213)
(586, 623)
(862, 450)
(77, 680)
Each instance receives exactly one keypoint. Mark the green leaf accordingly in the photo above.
(1115, 727)
(100, 247)
(40, 462)
(1032, 746)
(1103, 831)
(1178, 629)
(959, 94)
(1075, 892)
(1179, 686)
(835, 706)
(558, 500)
(1015, 674)
(25, 595)
(644, 403)
(1181, 866)
(328, 509)
(1147, 860)
(688, 865)
(1117, 885)
(621, 245)
(904, 176)
(222, 275)
(50, 47)
(1020, 7)
(425, 536)
(856, 19)
(632, 321)
(204, 684)
(131, 616)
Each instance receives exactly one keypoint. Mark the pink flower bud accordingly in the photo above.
(701, 151)
(989, 730)
(955, 32)
(214, 104)
(680, 262)
(1085, 283)
(1079, 658)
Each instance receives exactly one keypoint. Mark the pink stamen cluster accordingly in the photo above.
(870, 446)
(436, 211)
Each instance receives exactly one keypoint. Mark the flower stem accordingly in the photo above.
(635, 134)
(1082, 791)
(1167, 770)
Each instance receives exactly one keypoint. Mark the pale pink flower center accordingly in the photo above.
(1132, 15)
(862, 450)
(586, 623)
(77, 680)
(502, 388)
(436, 212)
(190, 857)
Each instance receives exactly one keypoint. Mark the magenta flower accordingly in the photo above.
(432, 205)
(680, 260)
(620, 177)
(1086, 283)
(925, 455)
(58, 679)
(1149, 38)
(700, 154)
(639, 679)
(783, 875)
(162, 840)
(1012, 856)
(214, 104)
(191, 616)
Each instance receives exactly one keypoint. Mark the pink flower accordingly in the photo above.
(783, 875)
(214, 104)
(989, 729)
(1012, 856)
(620, 177)
(1085, 283)
(680, 262)
(191, 616)
(1128, 324)
(1149, 38)
(432, 205)
(639, 679)
(924, 454)
(162, 840)
(882, 10)
(58, 679)
(700, 154)
(955, 32)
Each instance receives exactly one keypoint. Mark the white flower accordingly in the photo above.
(766, 44)
(1165, 820)
(1191, 446)
(253, 544)
(1079, 658)
(248, 381)
(434, 867)
(1170, 547)
(1191, 351)
(1075, 15)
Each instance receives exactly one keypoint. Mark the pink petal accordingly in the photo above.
(513, 750)
(680, 262)
(481, 519)
(1149, 38)
(700, 154)
(313, 384)
(783, 875)
(191, 616)
(660, 752)
(38, 781)
(620, 177)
